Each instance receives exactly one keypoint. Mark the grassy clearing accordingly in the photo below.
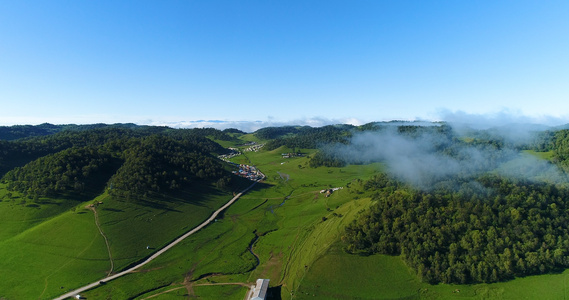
(132, 227)
(50, 243)
(18, 213)
(543, 155)
(320, 236)
(53, 256)
(220, 247)
(338, 275)
(56, 245)
(228, 292)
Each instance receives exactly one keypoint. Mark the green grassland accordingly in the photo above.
(338, 275)
(282, 219)
(283, 229)
(59, 247)
(52, 256)
(296, 234)
(131, 227)
(548, 155)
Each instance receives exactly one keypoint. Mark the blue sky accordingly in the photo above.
(276, 62)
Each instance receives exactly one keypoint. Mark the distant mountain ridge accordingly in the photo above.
(9, 133)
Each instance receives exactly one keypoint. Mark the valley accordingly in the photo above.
(282, 228)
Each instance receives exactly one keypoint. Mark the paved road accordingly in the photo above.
(159, 252)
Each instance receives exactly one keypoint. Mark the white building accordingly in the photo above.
(260, 291)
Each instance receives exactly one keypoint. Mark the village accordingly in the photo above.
(254, 147)
(245, 171)
(249, 172)
(291, 154)
(226, 157)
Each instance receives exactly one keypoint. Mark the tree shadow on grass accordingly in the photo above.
(274, 293)
(113, 209)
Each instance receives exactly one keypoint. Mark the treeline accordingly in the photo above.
(556, 141)
(311, 138)
(329, 156)
(70, 170)
(560, 147)
(490, 229)
(25, 131)
(131, 163)
(158, 164)
(18, 153)
(269, 133)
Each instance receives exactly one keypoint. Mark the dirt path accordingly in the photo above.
(93, 208)
(159, 252)
(199, 284)
(164, 292)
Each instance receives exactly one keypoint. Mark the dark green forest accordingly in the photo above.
(489, 230)
(304, 137)
(479, 228)
(132, 163)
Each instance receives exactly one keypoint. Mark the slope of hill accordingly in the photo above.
(147, 185)
(150, 184)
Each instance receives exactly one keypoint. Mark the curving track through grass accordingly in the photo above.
(159, 252)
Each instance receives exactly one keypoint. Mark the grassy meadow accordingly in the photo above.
(58, 245)
(49, 247)
(282, 221)
(338, 275)
(283, 229)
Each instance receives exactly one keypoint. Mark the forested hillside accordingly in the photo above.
(25, 131)
(131, 163)
(484, 226)
(161, 165)
(489, 230)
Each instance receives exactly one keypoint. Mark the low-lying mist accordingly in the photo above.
(427, 157)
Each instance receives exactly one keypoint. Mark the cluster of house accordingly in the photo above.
(329, 192)
(291, 154)
(226, 157)
(249, 172)
(254, 147)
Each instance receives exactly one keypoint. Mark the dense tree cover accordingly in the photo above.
(22, 131)
(488, 230)
(441, 137)
(560, 145)
(158, 164)
(73, 169)
(542, 141)
(18, 153)
(326, 159)
(207, 132)
(233, 130)
(143, 160)
(556, 141)
(26, 131)
(269, 133)
(308, 137)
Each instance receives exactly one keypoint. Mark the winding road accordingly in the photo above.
(159, 252)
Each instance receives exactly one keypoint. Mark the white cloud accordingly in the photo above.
(503, 117)
(251, 126)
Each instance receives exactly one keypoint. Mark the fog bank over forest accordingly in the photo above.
(427, 158)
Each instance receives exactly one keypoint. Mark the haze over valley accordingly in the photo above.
(284, 150)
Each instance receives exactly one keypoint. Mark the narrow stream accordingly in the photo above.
(281, 204)
(251, 250)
